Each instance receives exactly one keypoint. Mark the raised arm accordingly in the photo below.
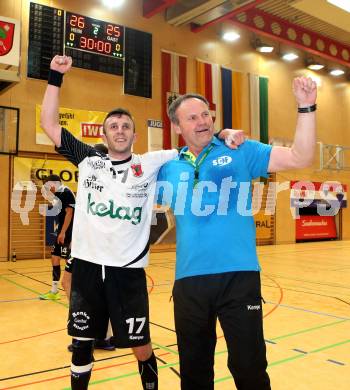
(49, 110)
(301, 154)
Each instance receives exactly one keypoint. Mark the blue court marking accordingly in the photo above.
(309, 311)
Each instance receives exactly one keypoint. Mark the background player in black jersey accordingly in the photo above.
(110, 236)
(63, 201)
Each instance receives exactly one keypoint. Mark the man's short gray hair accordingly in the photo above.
(177, 102)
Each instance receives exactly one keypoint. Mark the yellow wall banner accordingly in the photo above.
(84, 125)
(264, 225)
(35, 169)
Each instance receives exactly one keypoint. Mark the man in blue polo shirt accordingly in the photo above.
(217, 269)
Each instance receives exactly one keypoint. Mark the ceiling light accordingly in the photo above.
(112, 3)
(313, 64)
(230, 36)
(261, 47)
(343, 4)
(290, 56)
(336, 72)
(264, 48)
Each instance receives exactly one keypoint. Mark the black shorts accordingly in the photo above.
(121, 297)
(69, 264)
(62, 251)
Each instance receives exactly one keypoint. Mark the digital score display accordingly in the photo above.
(93, 45)
(94, 36)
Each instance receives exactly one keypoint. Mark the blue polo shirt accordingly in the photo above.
(215, 230)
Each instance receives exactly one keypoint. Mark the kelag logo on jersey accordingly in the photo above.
(113, 211)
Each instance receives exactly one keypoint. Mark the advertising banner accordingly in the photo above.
(310, 227)
(85, 125)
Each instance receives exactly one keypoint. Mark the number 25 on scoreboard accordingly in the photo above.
(113, 30)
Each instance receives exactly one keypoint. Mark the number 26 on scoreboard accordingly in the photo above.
(77, 21)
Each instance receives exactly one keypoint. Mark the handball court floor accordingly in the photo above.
(306, 320)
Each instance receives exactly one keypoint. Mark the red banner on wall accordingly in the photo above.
(174, 81)
(310, 227)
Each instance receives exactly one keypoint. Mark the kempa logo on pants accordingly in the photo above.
(253, 307)
(113, 211)
(80, 320)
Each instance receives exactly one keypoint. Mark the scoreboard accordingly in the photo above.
(93, 44)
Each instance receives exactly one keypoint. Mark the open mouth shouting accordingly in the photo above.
(120, 140)
(202, 130)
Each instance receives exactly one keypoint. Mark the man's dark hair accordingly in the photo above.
(118, 112)
(51, 178)
(177, 102)
(101, 148)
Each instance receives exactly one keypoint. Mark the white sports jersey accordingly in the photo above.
(114, 204)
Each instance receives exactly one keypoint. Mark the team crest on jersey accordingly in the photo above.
(136, 170)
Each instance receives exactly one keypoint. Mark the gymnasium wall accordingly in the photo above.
(97, 91)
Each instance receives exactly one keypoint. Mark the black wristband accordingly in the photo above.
(304, 110)
(55, 78)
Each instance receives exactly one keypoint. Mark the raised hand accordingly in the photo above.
(233, 138)
(305, 91)
(61, 64)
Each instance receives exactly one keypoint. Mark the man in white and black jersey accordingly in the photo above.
(105, 343)
(110, 240)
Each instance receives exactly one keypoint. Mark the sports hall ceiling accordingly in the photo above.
(316, 27)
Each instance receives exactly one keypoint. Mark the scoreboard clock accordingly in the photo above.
(93, 44)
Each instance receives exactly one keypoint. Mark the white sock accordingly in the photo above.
(54, 288)
(109, 331)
